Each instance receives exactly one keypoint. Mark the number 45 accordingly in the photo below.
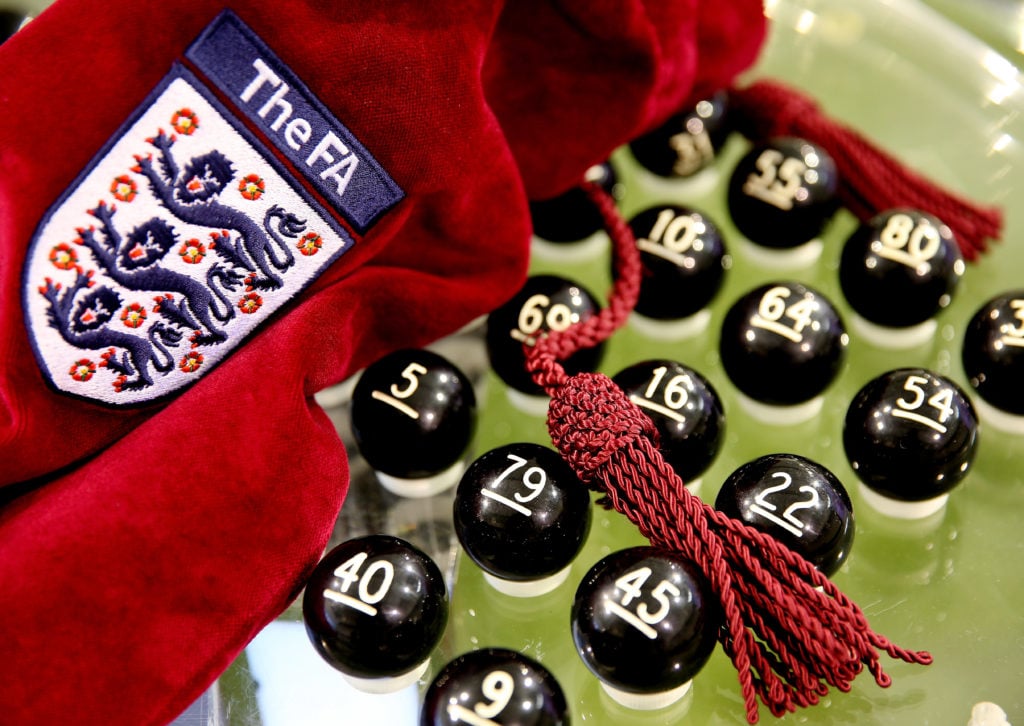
(641, 617)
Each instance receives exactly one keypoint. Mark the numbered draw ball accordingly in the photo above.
(684, 407)
(375, 607)
(644, 621)
(571, 216)
(993, 352)
(782, 343)
(911, 435)
(413, 414)
(545, 303)
(684, 261)
(900, 268)
(494, 686)
(781, 194)
(521, 513)
(687, 142)
(796, 500)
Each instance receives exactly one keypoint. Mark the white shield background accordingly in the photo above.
(214, 132)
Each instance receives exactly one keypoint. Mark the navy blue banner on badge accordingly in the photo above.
(272, 97)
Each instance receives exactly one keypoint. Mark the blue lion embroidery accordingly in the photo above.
(219, 222)
(131, 261)
(191, 194)
(135, 259)
(84, 325)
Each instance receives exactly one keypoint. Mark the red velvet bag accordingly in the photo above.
(209, 212)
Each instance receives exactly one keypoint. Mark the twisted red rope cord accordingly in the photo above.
(789, 632)
(871, 180)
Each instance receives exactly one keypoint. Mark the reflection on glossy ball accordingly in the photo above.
(645, 620)
(375, 607)
(797, 501)
(521, 513)
(494, 685)
(900, 268)
(782, 193)
(413, 414)
(910, 434)
(782, 343)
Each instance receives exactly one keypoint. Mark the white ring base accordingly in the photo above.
(646, 701)
(387, 685)
(898, 509)
(529, 403)
(781, 415)
(677, 329)
(528, 588)
(674, 188)
(427, 486)
(588, 248)
(894, 338)
(787, 258)
(1005, 421)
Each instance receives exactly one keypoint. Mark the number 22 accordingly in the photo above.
(788, 521)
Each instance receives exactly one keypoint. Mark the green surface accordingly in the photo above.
(952, 584)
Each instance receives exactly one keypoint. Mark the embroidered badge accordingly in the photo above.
(216, 203)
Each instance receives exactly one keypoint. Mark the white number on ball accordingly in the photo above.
(673, 396)
(788, 521)
(908, 243)
(641, 617)
(672, 236)
(778, 181)
(497, 687)
(1014, 334)
(772, 309)
(693, 151)
(537, 313)
(396, 399)
(534, 479)
(369, 592)
(941, 401)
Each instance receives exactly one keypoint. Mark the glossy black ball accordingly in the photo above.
(10, 22)
(683, 258)
(783, 343)
(910, 434)
(782, 193)
(494, 685)
(685, 408)
(413, 414)
(545, 303)
(798, 502)
(900, 268)
(572, 216)
(521, 513)
(645, 620)
(687, 142)
(375, 607)
(993, 352)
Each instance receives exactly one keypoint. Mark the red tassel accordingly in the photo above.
(788, 640)
(871, 179)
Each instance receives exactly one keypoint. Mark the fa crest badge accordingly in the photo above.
(226, 194)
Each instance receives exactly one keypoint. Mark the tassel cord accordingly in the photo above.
(789, 632)
(871, 179)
